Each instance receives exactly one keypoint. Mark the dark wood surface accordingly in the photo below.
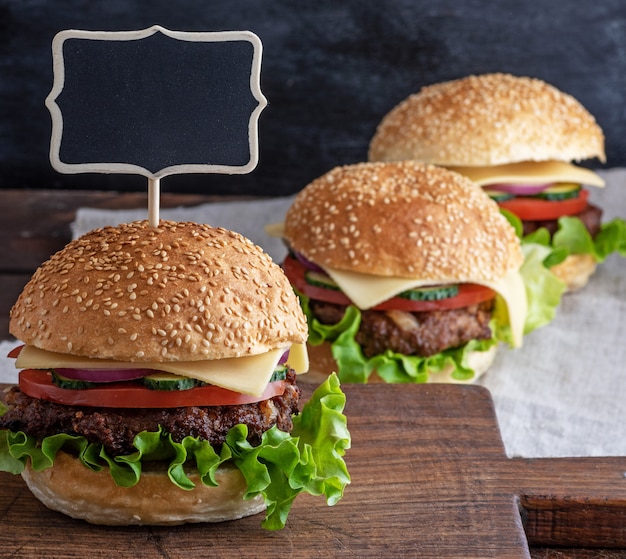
(430, 479)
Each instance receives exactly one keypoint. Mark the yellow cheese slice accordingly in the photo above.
(367, 291)
(248, 375)
(531, 172)
(276, 230)
(298, 358)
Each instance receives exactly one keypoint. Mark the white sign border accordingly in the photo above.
(217, 36)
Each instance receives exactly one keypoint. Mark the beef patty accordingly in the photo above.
(116, 428)
(416, 333)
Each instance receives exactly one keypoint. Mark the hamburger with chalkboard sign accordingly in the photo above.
(517, 138)
(158, 382)
(407, 273)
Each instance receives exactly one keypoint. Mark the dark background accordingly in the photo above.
(331, 69)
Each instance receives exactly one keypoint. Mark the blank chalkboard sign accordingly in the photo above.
(155, 102)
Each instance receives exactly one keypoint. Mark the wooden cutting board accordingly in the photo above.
(430, 479)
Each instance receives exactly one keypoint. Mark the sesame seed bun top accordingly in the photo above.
(177, 292)
(490, 119)
(404, 219)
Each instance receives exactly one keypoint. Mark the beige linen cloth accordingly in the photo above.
(562, 394)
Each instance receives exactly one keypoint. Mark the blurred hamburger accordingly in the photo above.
(516, 137)
(407, 273)
(159, 381)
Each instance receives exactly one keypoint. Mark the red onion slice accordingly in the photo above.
(104, 375)
(519, 189)
(308, 264)
(284, 358)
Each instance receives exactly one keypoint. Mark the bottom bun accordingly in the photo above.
(75, 490)
(322, 364)
(575, 270)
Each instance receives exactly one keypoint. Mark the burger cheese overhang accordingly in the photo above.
(248, 374)
(530, 172)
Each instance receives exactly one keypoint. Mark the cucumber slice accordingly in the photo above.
(70, 383)
(168, 381)
(431, 293)
(562, 191)
(280, 373)
(320, 280)
(498, 195)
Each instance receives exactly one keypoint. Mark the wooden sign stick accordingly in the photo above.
(154, 196)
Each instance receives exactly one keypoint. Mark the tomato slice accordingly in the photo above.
(38, 384)
(469, 294)
(535, 209)
(294, 271)
(14, 353)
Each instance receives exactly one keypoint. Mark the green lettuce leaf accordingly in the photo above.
(322, 429)
(7, 462)
(542, 251)
(572, 237)
(611, 238)
(310, 459)
(543, 288)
